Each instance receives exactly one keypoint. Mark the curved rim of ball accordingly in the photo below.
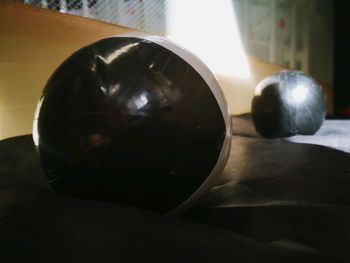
(264, 83)
(216, 89)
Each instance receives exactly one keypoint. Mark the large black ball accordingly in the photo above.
(133, 119)
(288, 103)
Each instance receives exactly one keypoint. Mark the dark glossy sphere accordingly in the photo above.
(133, 119)
(288, 103)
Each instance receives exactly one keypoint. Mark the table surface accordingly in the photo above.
(277, 199)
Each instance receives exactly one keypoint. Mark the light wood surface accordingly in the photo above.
(34, 41)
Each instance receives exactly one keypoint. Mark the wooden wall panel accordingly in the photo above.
(33, 42)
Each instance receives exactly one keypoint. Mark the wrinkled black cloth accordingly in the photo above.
(278, 200)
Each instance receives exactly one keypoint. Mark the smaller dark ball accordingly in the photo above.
(288, 103)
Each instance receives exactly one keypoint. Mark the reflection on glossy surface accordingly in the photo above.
(128, 120)
(288, 103)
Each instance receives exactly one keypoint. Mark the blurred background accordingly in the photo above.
(297, 34)
(242, 41)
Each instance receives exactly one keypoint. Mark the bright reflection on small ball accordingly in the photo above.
(299, 94)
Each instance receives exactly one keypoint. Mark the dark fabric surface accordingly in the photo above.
(277, 200)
